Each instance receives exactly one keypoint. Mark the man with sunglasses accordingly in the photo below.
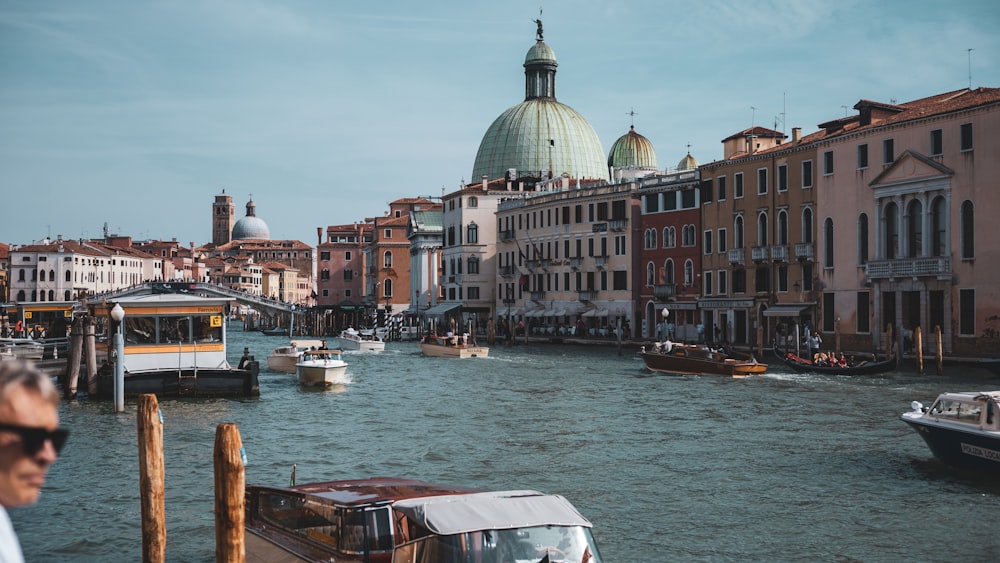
(30, 440)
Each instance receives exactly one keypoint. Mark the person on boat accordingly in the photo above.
(814, 341)
(701, 333)
(842, 362)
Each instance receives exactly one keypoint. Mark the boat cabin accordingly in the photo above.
(981, 410)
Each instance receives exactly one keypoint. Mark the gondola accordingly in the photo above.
(866, 365)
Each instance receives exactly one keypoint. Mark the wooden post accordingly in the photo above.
(836, 335)
(151, 480)
(230, 481)
(760, 340)
(75, 356)
(90, 353)
(889, 342)
(940, 350)
(918, 342)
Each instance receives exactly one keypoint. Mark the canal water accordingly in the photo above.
(783, 467)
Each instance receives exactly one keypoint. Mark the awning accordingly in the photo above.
(537, 313)
(786, 310)
(441, 308)
(514, 311)
(558, 313)
(596, 313)
(502, 510)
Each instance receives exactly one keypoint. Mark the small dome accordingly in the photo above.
(251, 227)
(688, 163)
(540, 52)
(632, 149)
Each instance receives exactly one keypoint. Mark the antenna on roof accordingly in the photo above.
(753, 119)
(970, 67)
(845, 110)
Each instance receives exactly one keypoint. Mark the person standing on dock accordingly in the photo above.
(30, 440)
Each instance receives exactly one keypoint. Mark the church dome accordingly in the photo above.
(251, 227)
(688, 163)
(540, 133)
(632, 149)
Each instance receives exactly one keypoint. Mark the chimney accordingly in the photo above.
(485, 182)
(319, 236)
(796, 136)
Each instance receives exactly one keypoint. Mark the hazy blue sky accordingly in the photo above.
(137, 113)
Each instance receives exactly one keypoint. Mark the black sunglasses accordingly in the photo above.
(33, 438)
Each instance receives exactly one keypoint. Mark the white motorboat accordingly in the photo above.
(961, 429)
(23, 348)
(318, 368)
(284, 358)
(364, 340)
(452, 347)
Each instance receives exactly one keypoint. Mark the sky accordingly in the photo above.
(135, 114)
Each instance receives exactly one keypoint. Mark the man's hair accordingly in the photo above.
(18, 372)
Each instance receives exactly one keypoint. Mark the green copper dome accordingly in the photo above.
(632, 149)
(540, 133)
(688, 163)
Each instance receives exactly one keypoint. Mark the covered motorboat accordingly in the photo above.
(687, 359)
(961, 429)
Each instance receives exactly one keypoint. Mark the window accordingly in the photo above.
(688, 273)
(738, 232)
(891, 231)
(387, 287)
(967, 312)
(325, 274)
(473, 202)
(578, 213)
(807, 174)
(325, 255)
(723, 282)
(965, 132)
(708, 283)
(738, 180)
(721, 182)
(688, 235)
(707, 244)
(472, 234)
(619, 280)
(387, 259)
(668, 272)
(388, 233)
(620, 249)
(863, 239)
(888, 152)
(473, 266)
(783, 178)
(782, 228)
(651, 201)
(863, 321)
(829, 313)
(650, 275)
(649, 239)
(828, 163)
(807, 225)
(348, 274)
(783, 278)
(669, 237)
(722, 241)
(347, 255)
(914, 229)
(862, 156)
(937, 143)
(938, 226)
(828, 243)
(761, 181)
(739, 281)
(968, 231)
(473, 292)
(762, 230)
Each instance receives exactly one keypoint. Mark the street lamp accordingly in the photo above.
(118, 314)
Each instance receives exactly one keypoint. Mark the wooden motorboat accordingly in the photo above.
(452, 347)
(858, 364)
(275, 331)
(383, 520)
(174, 345)
(321, 368)
(961, 429)
(22, 348)
(284, 358)
(363, 340)
(686, 359)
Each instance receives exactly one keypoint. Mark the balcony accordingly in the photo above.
(545, 264)
(586, 295)
(664, 291)
(759, 253)
(909, 267)
(737, 256)
(602, 261)
(805, 252)
(507, 235)
(531, 265)
(779, 253)
(537, 295)
(507, 271)
(617, 224)
(575, 263)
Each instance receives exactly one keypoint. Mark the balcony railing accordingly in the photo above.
(537, 295)
(575, 263)
(779, 253)
(507, 271)
(586, 295)
(545, 263)
(758, 254)
(805, 251)
(617, 224)
(737, 256)
(664, 291)
(908, 267)
(507, 235)
(602, 261)
(531, 264)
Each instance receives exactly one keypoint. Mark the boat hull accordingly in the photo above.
(439, 351)
(282, 363)
(868, 367)
(711, 364)
(960, 447)
(316, 374)
(222, 382)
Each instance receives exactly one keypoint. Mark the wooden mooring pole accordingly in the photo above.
(151, 480)
(230, 480)
(90, 355)
(75, 357)
(940, 349)
(918, 342)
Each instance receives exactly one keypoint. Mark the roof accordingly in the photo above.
(375, 490)
(632, 149)
(500, 510)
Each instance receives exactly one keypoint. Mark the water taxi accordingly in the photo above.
(452, 347)
(961, 429)
(688, 359)
(364, 340)
(284, 358)
(321, 368)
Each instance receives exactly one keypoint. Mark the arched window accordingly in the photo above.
(650, 275)
(891, 222)
(387, 259)
(52, 275)
(69, 275)
(968, 230)
(34, 295)
(66, 295)
(668, 272)
(828, 242)
(738, 232)
(863, 239)
(670, 239)
(473, 202)
(472, 234)
(20, 294)
(52, 295)
(762, 229)
(688, 273)
(938, 227)
(783, 227)
(650, 239)
(41, 276)
(473, 265)
(20, 277)
(807, 225)
(387, 288)
(914, 229)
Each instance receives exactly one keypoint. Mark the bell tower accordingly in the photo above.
(223, 218)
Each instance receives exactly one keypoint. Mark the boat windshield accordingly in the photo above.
(959, 411)
(553, 544)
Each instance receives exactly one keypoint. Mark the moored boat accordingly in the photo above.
(284, 358)
(961, 429)
(686, 359)
(854, 364)
(384, 520)
(174, 345)
(452, 347)
(364, 340)
(319, 368)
